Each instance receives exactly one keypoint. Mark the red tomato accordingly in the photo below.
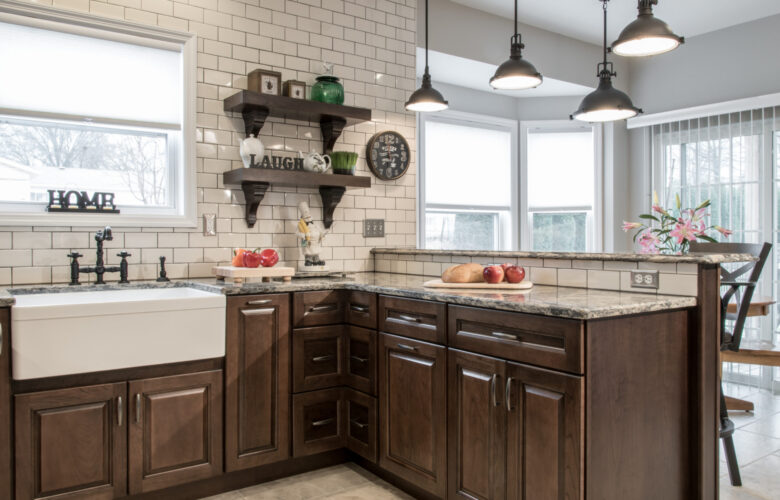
(269, 257)
(251, 259)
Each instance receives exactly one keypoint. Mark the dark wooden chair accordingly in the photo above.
(741, 292)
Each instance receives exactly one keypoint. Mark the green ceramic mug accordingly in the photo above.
(343, 162)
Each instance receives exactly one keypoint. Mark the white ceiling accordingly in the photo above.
(446, 68)
(581, 19)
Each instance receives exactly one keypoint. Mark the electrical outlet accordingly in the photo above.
(209, 224)
(644, 279)
(374, 228)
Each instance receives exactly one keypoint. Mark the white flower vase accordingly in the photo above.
(251, 146)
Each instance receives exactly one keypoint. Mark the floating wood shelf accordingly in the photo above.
(255, 108)
(255, 182)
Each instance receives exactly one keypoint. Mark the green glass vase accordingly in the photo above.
(328, 89)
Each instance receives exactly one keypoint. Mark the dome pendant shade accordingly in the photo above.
(426, 98)
(606, 103)
(516, 73)
(646, 35)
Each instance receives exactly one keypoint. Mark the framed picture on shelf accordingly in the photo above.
(294, 89)
(265, 82)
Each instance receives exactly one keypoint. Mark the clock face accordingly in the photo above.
(388, 155)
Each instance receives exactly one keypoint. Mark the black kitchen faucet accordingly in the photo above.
(99, 269)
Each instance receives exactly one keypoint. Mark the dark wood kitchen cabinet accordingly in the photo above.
(413, 416)
(6, 406)
(257, 381)
(72, 443)
(175, 432)
(515, 431)
(318, 357)
(318, 421)
(360, 359)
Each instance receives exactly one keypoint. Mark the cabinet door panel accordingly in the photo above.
(71, 443)
(257, 430)
(318, 357)
(361, 309)
(361, 423)
(318, 422)
(361, 359)
(412, 400)
(477, 426)
(6, 406)
(176, 432)
(325, 307)
(544, 432)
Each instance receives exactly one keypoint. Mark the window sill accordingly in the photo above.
(79, 220)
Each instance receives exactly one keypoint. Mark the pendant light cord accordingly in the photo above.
(517, 24)
(426, 36)
(605, 32)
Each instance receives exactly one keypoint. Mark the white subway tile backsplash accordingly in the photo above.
(618, 265)
(604, 280)
(677, 284)
(544, 276)
(573, 277)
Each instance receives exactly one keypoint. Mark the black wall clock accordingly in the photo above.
(388, 155)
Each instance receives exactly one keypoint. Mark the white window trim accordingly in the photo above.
(89, 25)
(595, 239)
(460, 118)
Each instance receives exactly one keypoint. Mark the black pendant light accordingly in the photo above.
(426, 98)
(646, 35)
(516, 73)
(606, 103)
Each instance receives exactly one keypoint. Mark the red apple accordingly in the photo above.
(515, 274)
(493, 274)
(504, 266)
(251, 259)
(269, 257)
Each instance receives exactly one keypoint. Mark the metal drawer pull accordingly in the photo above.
(320, 359)
(359, 359)
(502, 335)
(508, 394)
(358, 424)
(320, 423)
(493, 383)
(407, 347)
(358, 308)
(258, 302)
(120, 410)
(411, 319)
(321, 308)
(137, 408)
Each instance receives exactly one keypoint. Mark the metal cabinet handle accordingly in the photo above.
(508, 394)
(120, 410)
(358, 308)
(258, 302)
(359, 359)
(493, 383)
(320, 359)
(320, 423)
(411, 319)
(321, 308)
(137, 408)
(502, 335)
(358, 424)
(407, 347)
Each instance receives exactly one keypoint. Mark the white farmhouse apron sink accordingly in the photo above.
(80, 332)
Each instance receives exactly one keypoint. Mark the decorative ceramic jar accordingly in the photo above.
(251, 151)
(328, 89)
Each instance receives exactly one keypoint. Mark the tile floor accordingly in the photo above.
(758, 450)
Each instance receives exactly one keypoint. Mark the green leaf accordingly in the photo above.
(650, 217)
(707, 238)
(705, 203)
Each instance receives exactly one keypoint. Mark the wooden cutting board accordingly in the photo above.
(438, 283)
(239, 274)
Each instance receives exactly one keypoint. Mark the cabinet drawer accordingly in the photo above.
(361, 309)
(318, 424)
(361, 359)
(361, 425)
(318, 308)
(318, 357)
(537, 340)
(418, 319)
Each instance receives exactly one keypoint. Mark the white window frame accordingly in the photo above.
(181, 150)
(595, 241)
(476, 120)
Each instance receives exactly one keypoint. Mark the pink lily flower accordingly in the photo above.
(649, 242)
(660, 209)
(628, 226)
(722, 230)
(683, 230)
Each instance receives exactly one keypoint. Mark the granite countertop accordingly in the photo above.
(575, 303)
(690, 258)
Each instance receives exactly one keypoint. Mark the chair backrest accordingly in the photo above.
(730, 341)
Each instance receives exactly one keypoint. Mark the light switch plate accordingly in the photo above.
(209, 224)
(644, 279)
(374, 228)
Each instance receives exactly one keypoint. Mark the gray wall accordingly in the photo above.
(477, 101)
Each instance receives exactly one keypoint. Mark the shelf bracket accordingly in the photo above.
(254, 119)
(254, 192)
(331, 197)
(331, 127)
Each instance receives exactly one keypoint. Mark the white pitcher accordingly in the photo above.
(315, 162)
(251, 146)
